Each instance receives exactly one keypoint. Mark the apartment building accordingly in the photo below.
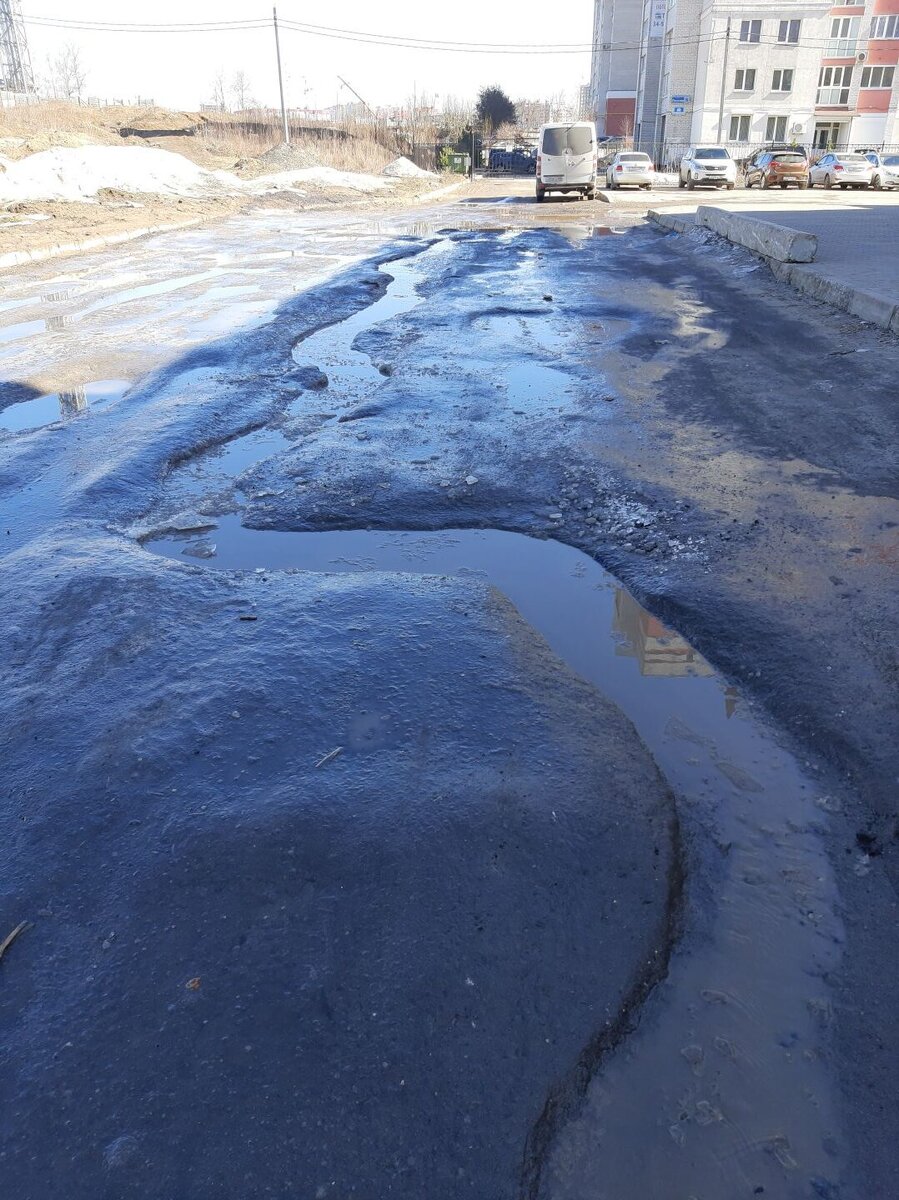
(613, 76)
(803, 71)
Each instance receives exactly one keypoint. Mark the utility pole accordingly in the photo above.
(723, 83)
(284, 123)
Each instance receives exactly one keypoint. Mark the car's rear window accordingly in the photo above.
(852, 158)
(634, 157)
(577, 139)
(788, 158)
(891, 160)
(711, 152)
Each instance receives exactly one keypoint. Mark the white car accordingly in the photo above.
(886, 169)
(631, 169)
(708, 166)
(842, 170)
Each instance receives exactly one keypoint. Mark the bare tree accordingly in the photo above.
(240, 89)
(455, 117)
(67, 72)
(218, 90)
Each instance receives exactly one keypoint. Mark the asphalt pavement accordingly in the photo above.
(362, 879)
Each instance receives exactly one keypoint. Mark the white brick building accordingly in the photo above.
(801, 71)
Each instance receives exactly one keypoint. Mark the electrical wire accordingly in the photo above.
(392, 41)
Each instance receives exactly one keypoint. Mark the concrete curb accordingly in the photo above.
(779, 242)
(680, 224)
(810, 280)
(17, 258)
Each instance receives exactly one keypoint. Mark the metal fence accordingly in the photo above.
(667, 157)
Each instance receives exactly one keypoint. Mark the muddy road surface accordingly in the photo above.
(449, 717)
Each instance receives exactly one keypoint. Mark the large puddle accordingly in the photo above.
(60, 406)
(722, 1090)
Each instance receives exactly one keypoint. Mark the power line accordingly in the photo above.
(363, 37)
(145, 27)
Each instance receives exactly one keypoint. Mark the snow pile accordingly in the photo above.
(404, 168)
(68, 174)
(324, 177)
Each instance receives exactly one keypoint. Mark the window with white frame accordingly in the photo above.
(788, 31)
(833, 85)
(750, 31)
(744, 80)
(775, 129)
(886, 26)
(843, 37)
(782, 81)
(877, 77)
(739, 127)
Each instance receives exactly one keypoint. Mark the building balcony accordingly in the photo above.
(832, 97)
(840, 47)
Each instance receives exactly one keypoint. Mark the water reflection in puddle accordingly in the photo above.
(60, 406)
(723, 1090)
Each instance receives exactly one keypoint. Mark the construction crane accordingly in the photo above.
(16, 74)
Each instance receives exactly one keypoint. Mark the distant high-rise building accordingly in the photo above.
(616, 58)
(15, 61)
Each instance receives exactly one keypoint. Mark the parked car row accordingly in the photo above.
(568, 160)
(789, 166)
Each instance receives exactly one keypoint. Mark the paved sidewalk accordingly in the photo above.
(857, 263)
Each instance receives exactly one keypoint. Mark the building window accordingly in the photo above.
(886, 26)
(843, 38)
(776, 129)
(782, 81)
(788, 31)
(833, 85)
(739, 127)
(750, 31)
(877, 77)
(744, 81)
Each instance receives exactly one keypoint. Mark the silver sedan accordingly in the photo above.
(630, 169)
(842, 170)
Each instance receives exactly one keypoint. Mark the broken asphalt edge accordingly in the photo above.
(568, 1095)
(803, 276)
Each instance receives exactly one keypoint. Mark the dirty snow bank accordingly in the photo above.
(79, 174)
(404, 168)
(316, 177)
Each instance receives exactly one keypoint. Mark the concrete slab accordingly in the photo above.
(780, 242)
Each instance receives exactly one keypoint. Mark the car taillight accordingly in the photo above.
(837, 167)
(619, 167)
(539, 162)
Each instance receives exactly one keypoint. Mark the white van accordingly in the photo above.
(566, 159)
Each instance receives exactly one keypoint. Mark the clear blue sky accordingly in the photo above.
(178, 69)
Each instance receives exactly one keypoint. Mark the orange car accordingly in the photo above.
(778, 168)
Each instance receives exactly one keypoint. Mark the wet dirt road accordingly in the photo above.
(284, 799)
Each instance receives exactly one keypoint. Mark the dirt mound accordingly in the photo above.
(158, 122)
(286, 157)
(404, 168)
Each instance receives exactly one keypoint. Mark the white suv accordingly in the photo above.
(709, 166)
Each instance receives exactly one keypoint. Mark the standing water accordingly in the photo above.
(722, 1090)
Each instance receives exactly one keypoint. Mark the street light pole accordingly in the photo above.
(284, 125)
